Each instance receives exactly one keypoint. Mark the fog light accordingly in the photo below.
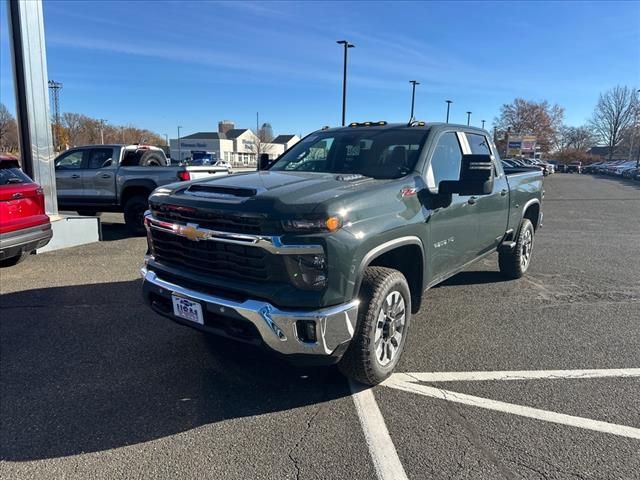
(308, 272)
(306, 330)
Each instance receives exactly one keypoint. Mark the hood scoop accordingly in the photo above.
(220, 192)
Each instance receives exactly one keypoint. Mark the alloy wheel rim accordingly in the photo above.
(390, 326)
(527, 247)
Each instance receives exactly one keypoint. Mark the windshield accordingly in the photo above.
(370, 152)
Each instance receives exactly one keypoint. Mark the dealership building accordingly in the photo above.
(238, 146)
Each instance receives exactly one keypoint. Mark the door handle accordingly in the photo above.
(503, 192)
(105, 175)
(472, 200)
(75, 175)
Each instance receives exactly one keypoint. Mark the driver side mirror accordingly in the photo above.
(476, 177)
(264, 162)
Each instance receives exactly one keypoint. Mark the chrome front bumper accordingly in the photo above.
(334, 326)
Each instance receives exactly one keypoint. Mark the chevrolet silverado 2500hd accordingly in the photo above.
(325, 255)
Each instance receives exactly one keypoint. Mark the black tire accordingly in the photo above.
(152, 159)
(11, 261)
(360, 361)
(134, 213)
(89, 213)
(515, 262)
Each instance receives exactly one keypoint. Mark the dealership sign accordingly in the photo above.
(517, 145)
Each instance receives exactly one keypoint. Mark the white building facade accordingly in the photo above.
(240, 147)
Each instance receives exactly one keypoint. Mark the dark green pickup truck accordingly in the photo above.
(324, 255)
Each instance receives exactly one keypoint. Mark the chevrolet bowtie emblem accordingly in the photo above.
(192, 232)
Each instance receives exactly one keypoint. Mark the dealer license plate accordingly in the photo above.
(187, 309)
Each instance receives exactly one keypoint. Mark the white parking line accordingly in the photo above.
(383, 452)
(407, 383)
(521, 375)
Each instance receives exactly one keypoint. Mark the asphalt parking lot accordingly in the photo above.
(93, 385)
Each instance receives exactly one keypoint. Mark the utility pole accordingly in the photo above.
(179, 145)
(347, 46)
(449, 102)
(102, 120)
(166, 139)
(54, 89)
(413, 96)
(469, 118)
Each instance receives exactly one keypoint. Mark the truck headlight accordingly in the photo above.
(307, 272)
(330, 224)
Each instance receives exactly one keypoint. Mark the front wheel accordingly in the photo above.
(383, 323)
(134, 214)
(515, 262)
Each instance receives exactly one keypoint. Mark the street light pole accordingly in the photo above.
(413, 96)
(633, 131)
(179, 145)
(482, 124)
(346, 46)
(449, 102)
(468, 118)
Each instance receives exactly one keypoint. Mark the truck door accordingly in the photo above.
(491, 211)
(452, 229)
(99, 175)
(68, 178)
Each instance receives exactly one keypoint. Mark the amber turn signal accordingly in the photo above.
(333, 224)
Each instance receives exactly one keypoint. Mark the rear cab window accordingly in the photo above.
(481, 145)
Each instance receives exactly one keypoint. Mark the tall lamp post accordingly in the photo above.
(179, 145)
(468, 118)
(449, 102)
(413, 96)
(346, 46)
(633, 131)
(482, 124)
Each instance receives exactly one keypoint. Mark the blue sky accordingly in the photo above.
(161, 64)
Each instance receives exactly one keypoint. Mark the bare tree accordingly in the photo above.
(8, 130)
(576, 138)
(526, 117)
(613, 115)
(72, 123)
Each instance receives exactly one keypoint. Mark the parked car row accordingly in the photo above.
(617, 168)
(545, 167)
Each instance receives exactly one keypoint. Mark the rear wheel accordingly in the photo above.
(134, 213)
(515, 262)
(383, 323)
(11, 261)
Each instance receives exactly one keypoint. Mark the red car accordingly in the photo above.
(24, 226)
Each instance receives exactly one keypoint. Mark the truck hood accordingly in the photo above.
(280, 194)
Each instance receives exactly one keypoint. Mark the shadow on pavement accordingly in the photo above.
(474, 278)
(89, 368)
